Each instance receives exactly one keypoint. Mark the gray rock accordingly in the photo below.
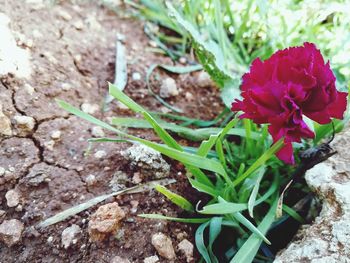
(328, 238)
(163, 245)
(12, 197)
(5, 124)
(70, 236)
(151, 259)
(168, 88)
(118, 259)
(186, 247)
(11, 232)
(150, 162)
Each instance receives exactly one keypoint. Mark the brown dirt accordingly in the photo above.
(72, 58)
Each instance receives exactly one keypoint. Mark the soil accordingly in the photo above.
(71, 47)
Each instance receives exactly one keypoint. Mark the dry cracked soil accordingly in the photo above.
(66, 50)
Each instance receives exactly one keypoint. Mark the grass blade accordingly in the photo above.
(175, 219)
(175, 198)
(262, 159)
(199, 238)
(81, 207)
(254, 193)
(249, 249)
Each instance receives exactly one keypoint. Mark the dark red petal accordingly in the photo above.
(338, 107)
(286, 153)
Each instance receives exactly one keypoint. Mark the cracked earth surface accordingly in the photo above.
(67, 51)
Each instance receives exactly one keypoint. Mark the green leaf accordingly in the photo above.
(199, 238)
(176, 219)
(254, 193)
(163, 134)
(86, 205)
(247, 252)
(261, 161)
(214, 231)
(290, 211)
(230, 93)
(223, 208)
(180, 69)
(175, 198)
(204, 188)
(244, 221)
(193, 134)
(206, 146)
(127, 101)
(208, 52)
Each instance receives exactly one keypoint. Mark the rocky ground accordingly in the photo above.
(65, 50)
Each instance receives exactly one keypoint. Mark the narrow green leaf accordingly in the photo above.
(180, 69)
(244, 221)
(175, 198)
(290, 211)
(247, 252)
(199, 238)
(176, 219)
(86, 205)
(254, 193)
(123, 98)
(214, 231)
(206, 146)
(223, 208)
(204, 188)
(262, 159)
(163, 134)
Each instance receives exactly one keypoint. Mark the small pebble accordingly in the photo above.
(11, 232)
(168, 88)
(89, 108)
(56, 135)
(12, 198)
(65, 15)
(100, 154)
(136, 76)
(2, 171)
(97, 131)
(90, 180)
(152, 259)
(163, 245)
(69, 236)
(24, 122)
(186, 247)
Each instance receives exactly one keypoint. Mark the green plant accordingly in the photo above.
(242, 179)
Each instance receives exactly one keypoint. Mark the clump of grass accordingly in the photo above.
(243, 180)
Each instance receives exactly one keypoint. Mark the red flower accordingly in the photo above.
(293, 82)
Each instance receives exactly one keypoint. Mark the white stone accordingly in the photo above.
(97, 131)
(11, 232)
(328, 238)
(90, 180)
(204, 80)
(25, 122)
(100, 154)
(55, 135)
(168, 88)
(89, 108)
(163, 245)
(151, 259)
(65, 15)
(136, 76)
(69, 235)
(13, 59)
(186, 247)
(12, 197)
(5, 124)
(2, 171)
(29, 89)
(118, 259)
